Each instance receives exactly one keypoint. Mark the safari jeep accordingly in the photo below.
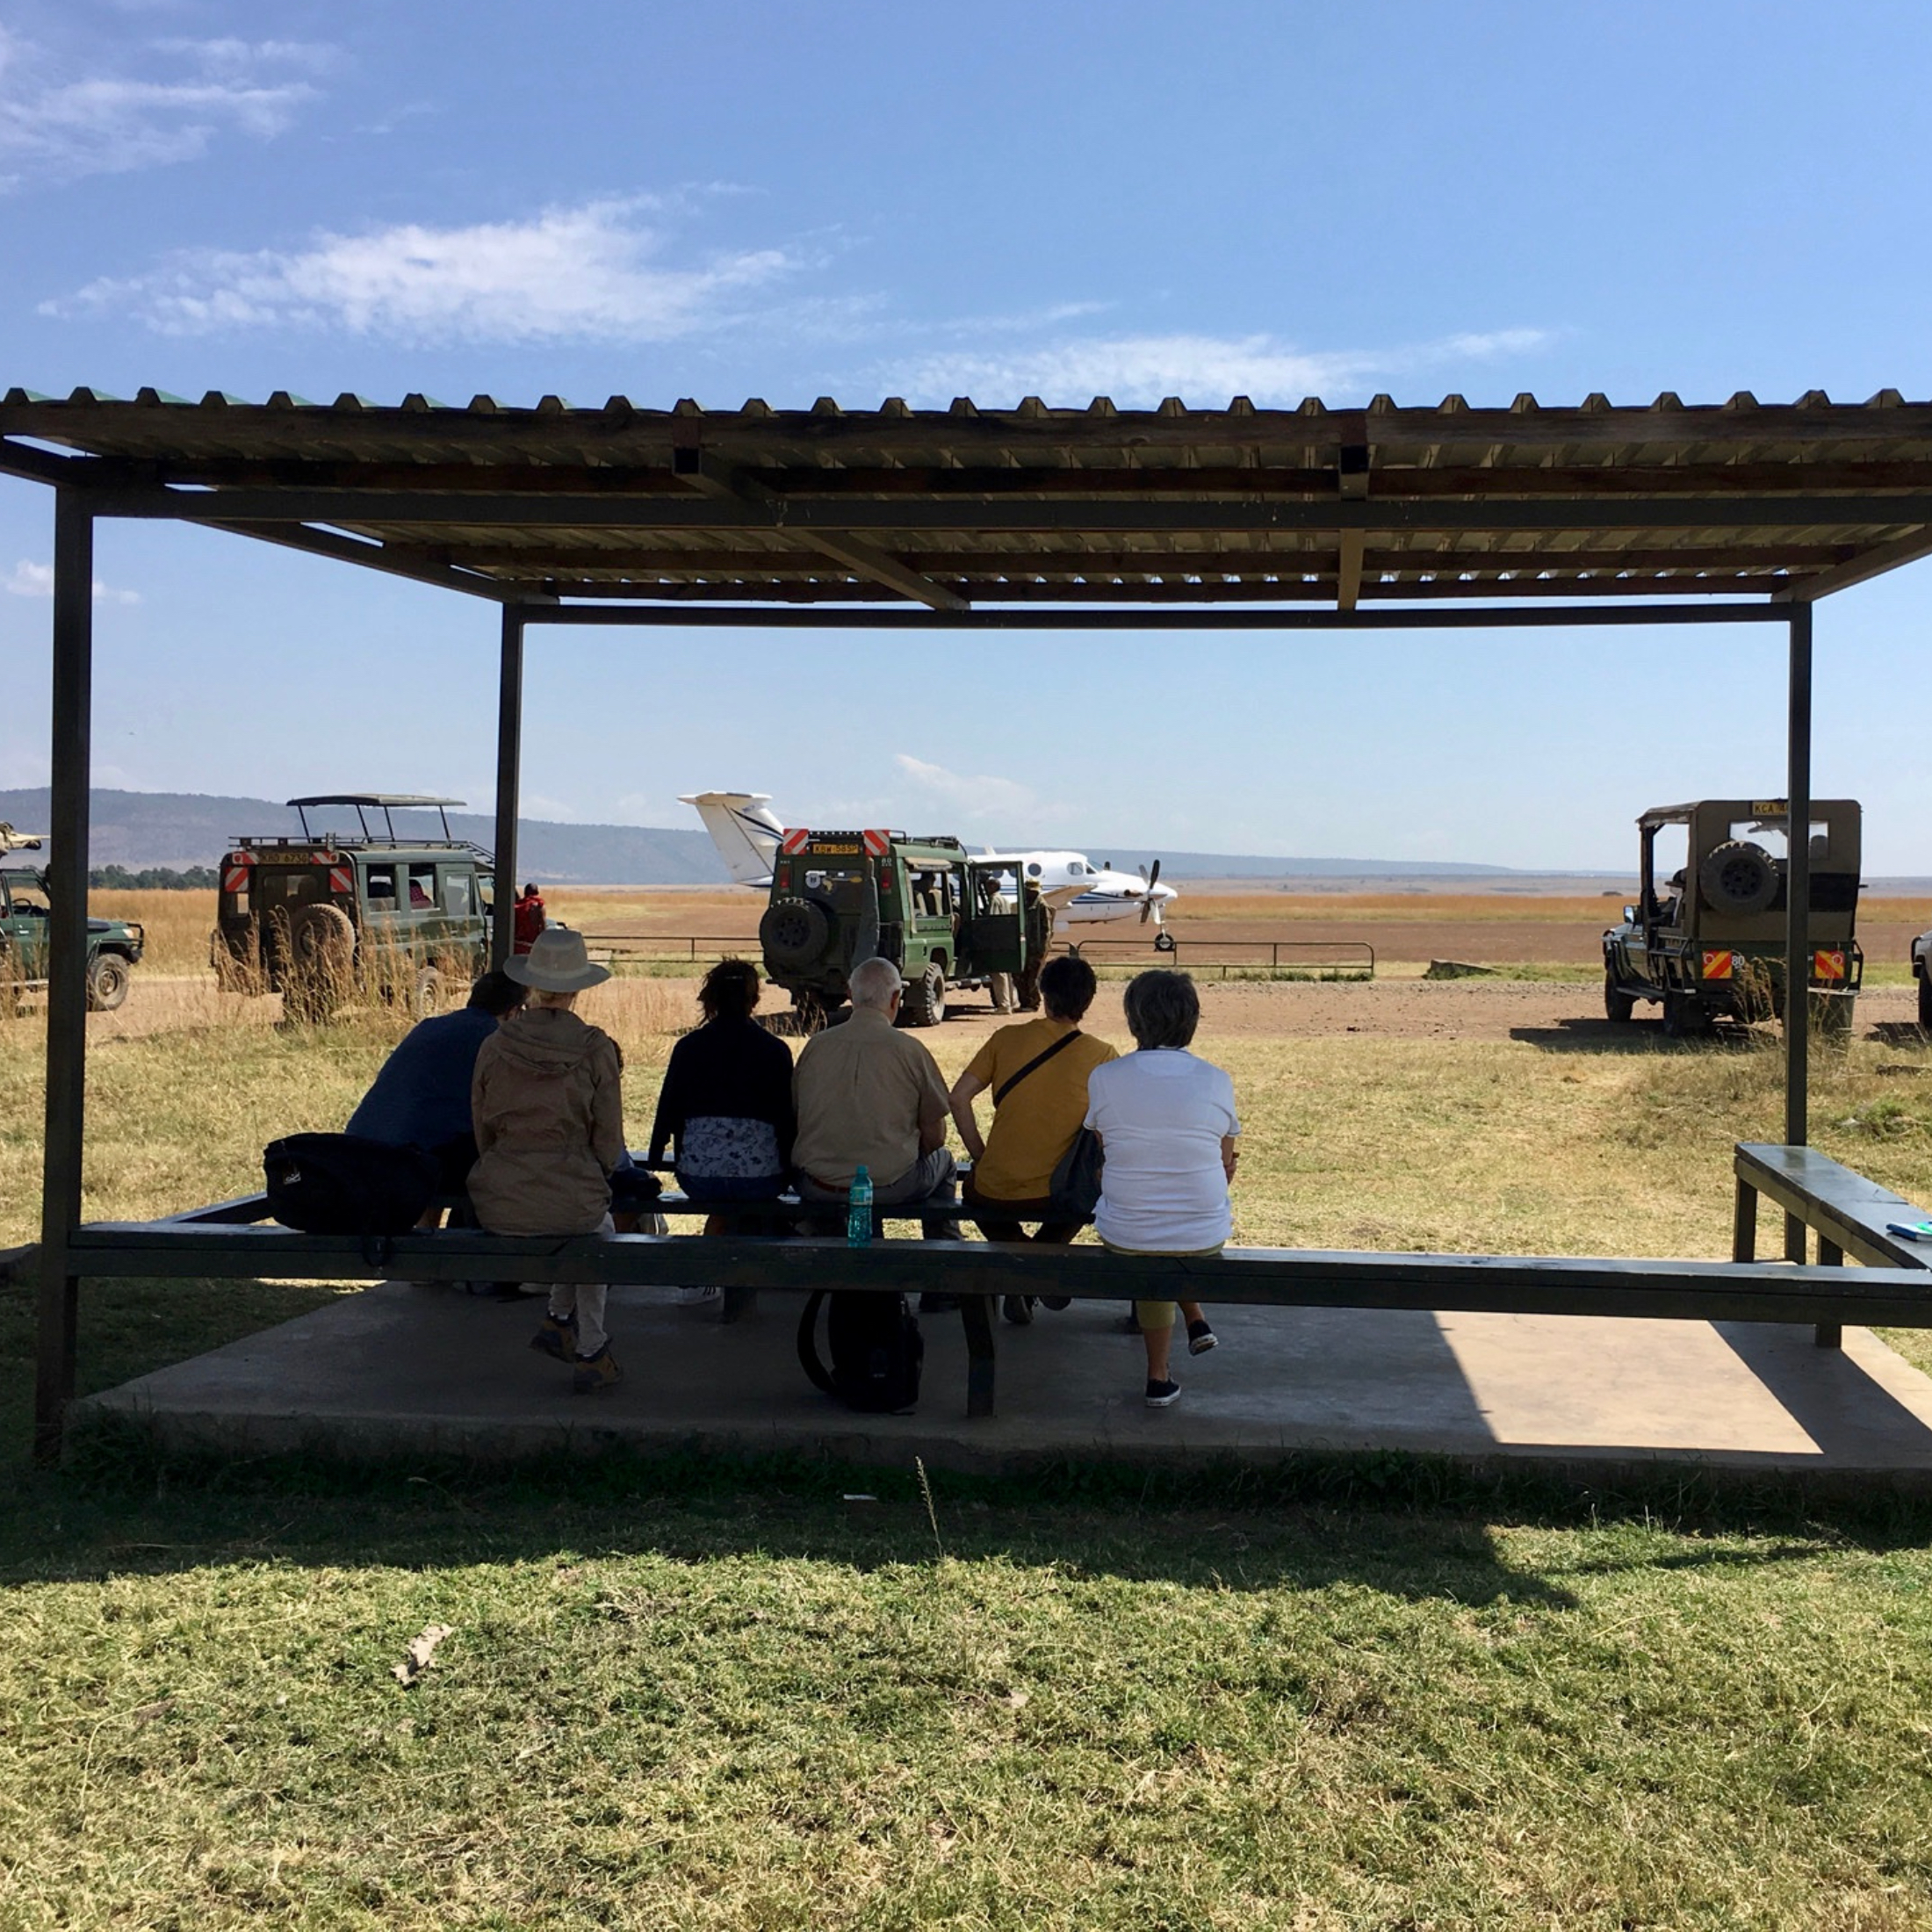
(323, 916)
(114, 946)
(1709, 944)
(838, 898)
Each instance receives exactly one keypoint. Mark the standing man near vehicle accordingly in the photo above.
(1039, 918)
(531, 918)
(869, 1095)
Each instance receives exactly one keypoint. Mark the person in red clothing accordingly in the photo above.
(531, 918)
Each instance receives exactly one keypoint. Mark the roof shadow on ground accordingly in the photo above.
(313, 1518)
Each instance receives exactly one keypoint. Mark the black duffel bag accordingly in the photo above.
(343, 1184)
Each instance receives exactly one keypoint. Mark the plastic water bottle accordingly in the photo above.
(859, 1211)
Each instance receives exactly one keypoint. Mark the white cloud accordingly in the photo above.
(58, 126)
(1138, 371)
(980, 797)
(31, 579)
(591, 273)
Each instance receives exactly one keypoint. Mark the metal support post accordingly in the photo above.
(1797, 787)
(509, 754)
(67, 964)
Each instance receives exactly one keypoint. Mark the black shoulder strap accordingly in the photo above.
(1038, 1061)
(808, 1345)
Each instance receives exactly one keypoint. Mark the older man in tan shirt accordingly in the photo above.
(867, 1094)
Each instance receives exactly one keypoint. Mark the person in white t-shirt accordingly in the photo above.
(1167, 1125)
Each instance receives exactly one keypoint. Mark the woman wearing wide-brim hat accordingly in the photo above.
(547, 1103)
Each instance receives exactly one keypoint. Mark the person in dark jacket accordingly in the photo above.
(726, 1099)
(422, 1096)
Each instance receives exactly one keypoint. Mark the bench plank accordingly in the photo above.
(1848, 1210)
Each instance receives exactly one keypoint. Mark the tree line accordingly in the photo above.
(156, 878)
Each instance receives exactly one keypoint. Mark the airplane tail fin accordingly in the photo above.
(745, 829)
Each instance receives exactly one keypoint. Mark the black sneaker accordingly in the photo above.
(1162, 1395)
(1200, 1338)
(1017, 1309)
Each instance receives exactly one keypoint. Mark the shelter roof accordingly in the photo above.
(970, 506)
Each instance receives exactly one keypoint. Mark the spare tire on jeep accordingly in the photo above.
(795, 932)
(1738, 877)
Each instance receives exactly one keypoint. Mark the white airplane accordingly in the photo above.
(746, 831)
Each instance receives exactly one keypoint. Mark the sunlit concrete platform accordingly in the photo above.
(408, 1369)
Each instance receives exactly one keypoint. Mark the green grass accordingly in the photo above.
(717, 1697)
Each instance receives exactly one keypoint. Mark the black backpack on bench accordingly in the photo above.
(876, 1350)
(343, 1184)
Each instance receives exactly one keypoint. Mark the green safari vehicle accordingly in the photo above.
(324, 915)
(927, 904)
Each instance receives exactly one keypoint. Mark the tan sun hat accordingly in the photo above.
(556, 964)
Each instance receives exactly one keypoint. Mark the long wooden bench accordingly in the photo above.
(226, 1241)
(1848, 1213)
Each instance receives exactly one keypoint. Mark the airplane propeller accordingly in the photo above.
(1153, 879)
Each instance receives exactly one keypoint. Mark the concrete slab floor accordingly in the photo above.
(403, 1369)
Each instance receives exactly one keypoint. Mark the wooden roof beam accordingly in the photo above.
(708, 474)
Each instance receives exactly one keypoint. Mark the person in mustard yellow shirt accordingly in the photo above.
(1037, 1072)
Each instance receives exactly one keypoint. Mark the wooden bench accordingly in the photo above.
(227, 1241)
(1848, 1212)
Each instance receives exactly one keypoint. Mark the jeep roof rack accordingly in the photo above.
(384, 802)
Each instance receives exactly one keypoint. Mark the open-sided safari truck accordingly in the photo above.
(937, 914)
(1709, 943)
(322, 917)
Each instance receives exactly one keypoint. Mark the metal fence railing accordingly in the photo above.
(1354, 956)
(1224, 957)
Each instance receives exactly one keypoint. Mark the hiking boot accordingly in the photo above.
(595, 1372)
(556, 1338)
(1017, 1309)
(1162, 1395)
(1200, 1338)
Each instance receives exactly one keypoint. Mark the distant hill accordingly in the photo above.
(140, 829)
(171, 828)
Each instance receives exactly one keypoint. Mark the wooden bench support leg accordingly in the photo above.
(976, 1315)
(1829, 1334)
(1744, 1222)
(738, 1303)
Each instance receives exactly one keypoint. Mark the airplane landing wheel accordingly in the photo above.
(1164, 941)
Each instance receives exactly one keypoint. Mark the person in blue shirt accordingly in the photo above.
(422, 1097)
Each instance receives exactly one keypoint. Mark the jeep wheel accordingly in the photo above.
(1738, 877)
(925, 999)
(794, 933)
(427, 994)
(1683, 1016)
(1925, 1003)
(1618, 1004)
(107, 978)
(318, 974)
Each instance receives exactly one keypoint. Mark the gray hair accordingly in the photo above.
(873, 982)
(1162, 1009)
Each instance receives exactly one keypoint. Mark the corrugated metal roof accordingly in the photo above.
(1029, 505)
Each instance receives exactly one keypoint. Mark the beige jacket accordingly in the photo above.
(547, 1103)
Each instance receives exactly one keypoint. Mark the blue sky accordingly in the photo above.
(787, 201)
